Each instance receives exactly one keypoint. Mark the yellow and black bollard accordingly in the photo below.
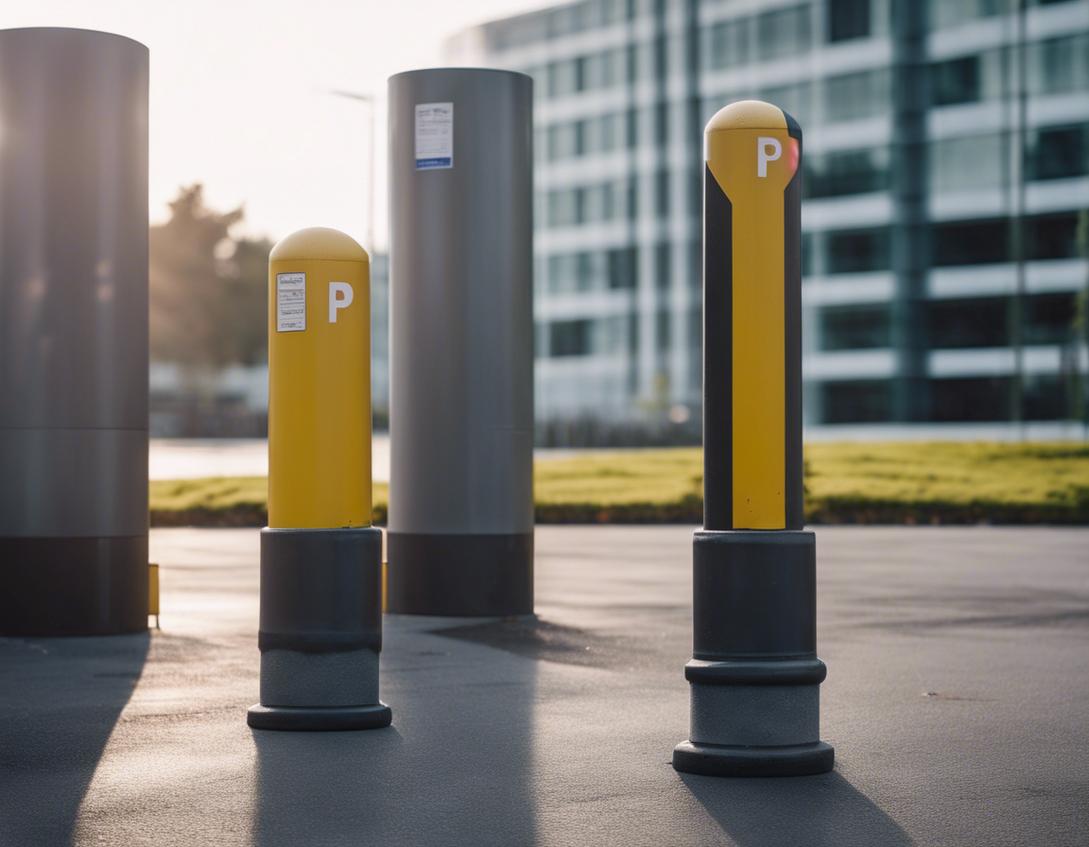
(321, 560)
(754, 676)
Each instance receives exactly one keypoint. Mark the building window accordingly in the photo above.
(632, 192)
(1059, 65)
(1049, 319)
(847, 19)
(597, 203)
(1053, 236)
(569, 338)
(783, 32)
(562, 273)
(587, 271)
(564, 140)
(621, 264)
(728, 44)
(971, 242)
(855, 327)
(859, 250)
(979, 322)
(857, 95)
(604, 70)
(664, 330)
(956, 81)
(847, 172)
(947, 13)
(1044, 397)
(967, 163)
(856, 401)
(662, 268)
(564, 207)
(972, 399)
(661, 192)
(1058, 152)
(565, 77)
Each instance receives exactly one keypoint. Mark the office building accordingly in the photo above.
(945, 221)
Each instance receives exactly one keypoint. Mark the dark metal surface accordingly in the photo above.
(321, 590)
(73, 329)
(73, 586)
(460, 575)
(461, 322)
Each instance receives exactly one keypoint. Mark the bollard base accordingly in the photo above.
(715, 760)
(754, 679)
(321, 630)
(319, 719)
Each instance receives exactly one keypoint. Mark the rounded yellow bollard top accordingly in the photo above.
(748, 114)
(318, 242)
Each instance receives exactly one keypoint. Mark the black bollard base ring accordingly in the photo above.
(318, 718)
(715, 760)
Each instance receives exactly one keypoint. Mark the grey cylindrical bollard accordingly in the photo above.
(73, 332)
(461, 391)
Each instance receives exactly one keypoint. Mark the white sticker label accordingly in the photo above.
(290, 302)
(434, 136)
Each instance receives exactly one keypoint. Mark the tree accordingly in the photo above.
(208, 288)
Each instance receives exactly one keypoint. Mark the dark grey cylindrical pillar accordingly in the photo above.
(461, 389)
(73, 332)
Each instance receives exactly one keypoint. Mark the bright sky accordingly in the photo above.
(239, 94)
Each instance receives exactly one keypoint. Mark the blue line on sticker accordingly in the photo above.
(429, 164)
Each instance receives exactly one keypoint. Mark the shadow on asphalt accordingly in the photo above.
(811, 810)
(538, 639)
(455, 767)
(59, 701)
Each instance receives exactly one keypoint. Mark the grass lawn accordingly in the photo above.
(944, 482)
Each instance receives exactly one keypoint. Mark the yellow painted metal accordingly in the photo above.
(319, 383)
(743, 162)
(153, 589)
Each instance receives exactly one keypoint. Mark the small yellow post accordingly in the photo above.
(153, 591)
(319, 414)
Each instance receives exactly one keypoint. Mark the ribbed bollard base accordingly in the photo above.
(316, 719)
(754, 679)
(321, 630)
(716, 760)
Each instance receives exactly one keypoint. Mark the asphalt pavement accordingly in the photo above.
(957, 700)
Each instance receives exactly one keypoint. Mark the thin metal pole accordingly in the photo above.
(1020, 239)
(369, 100)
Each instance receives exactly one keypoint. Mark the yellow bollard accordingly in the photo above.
(319, 382)
(754, 675)
(321, 561)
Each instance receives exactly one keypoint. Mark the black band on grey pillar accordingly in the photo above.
(460, 575)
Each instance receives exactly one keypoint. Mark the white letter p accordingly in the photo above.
(767, 150)
(340, 297)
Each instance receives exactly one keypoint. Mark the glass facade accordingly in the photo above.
(953, 244)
